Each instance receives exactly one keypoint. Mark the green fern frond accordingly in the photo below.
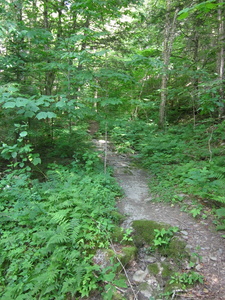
(58, 239)
(67, 204)
(220, 199)
(59, 216)
(70, 286)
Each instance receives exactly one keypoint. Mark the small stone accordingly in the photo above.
(146, 290)
(220, 251)
(152, 281)
(189, 247)
(139, 276)
(163, 258)
(204, 260)
(149, 259)
(184, 232)
(213, 258)
(198, 267)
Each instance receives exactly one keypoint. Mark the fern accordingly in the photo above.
(50, 230)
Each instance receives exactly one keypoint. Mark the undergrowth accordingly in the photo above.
(50, 232)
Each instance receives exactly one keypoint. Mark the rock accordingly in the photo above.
(139, 276)
(149, 259)
(101, 258)
(205, 248)
(184, 232)
(198, 267)
(146, 290)
(152, 282)
(162, 258)
(213, 258)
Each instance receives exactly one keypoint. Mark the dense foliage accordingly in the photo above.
(50, 230)
(150, 74)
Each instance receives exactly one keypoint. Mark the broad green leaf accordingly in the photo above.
(23, 133)
(36, 161)
(61, 103)
(21, 102)
(211, 5)
(109, 277)
(29, 114)
(45, 115)
(183, 16)
(51, 115)
(41, 115)
(14, 154)
(120, 283)
(9, 105)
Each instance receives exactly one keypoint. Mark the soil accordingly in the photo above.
(200, 235)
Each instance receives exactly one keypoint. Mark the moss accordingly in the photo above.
(144, 231)
(167, 271)
(176, 250)
(118, 296)
(143, 286)
(117, 217)
(128, 254)
(154, 269)
(125, 255)
(117, 235)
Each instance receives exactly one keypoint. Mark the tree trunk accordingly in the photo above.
(169, 34)
(221, 76)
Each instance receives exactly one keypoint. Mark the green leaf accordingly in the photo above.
(45, 115)
(120, 283)
(29, 114)
(9, 105)
(51, 115)
(21, 102)
(23, 133)
(211, 5)
(14, 154)
(36, 161)
(183, 16)
(109, 277)
(41, 115)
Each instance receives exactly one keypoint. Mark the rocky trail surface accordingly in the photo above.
(200, 235)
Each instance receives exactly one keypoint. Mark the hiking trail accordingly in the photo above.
(200, 235)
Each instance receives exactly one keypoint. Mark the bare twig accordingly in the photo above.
(175, 293)
(125, 272)
(106, 138)
(209, 144)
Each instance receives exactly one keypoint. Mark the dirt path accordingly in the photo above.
(200, 236)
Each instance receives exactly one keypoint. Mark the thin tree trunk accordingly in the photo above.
(221, 51)
(195, 93)
(169, 35)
